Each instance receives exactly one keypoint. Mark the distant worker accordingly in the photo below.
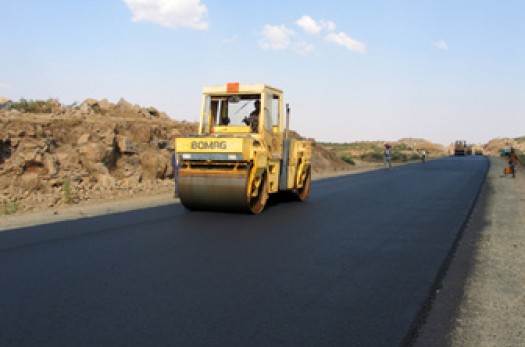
(423, 155)
(513, 161)
(388, 156)
(175, 165)
(253, 119)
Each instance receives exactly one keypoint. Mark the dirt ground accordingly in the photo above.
(481, 300)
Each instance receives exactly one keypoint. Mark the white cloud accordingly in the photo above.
(5, 86)
(170, 13)
(276, 37)
(346, 41)
(314, 27)
(441, 44)
(309, 25)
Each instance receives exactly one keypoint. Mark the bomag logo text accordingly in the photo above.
(208, 145)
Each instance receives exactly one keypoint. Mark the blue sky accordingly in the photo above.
(351, 70)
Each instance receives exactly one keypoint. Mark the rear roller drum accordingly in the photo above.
(302, 193)
(258, 195)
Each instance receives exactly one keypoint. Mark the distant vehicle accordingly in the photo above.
(460, 147)
(478, 151)
(504, 152)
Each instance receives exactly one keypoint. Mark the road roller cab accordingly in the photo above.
(460, 147)
(242, 152)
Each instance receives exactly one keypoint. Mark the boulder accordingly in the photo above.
(91, 102)
(83, 139)
(67, 157)
(97, 169)
(5, 103)
(154, 165)
(30, 182)
(136, 109)
(109, 138)
(30, 155)
(124, 105)
(125, 145)
(106, 180)
(50, 144)
(132, 181)
(105, 105)
(153, 111)
(93, 152)
(51, 164)
(140, 133)
(85, 109)
(174, 133)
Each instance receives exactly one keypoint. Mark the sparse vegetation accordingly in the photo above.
(374, 156)
(9, 207)
(348, 159)
(373, 151)
(35, 106)
(403, 147)
(415, 157)
(66, 190)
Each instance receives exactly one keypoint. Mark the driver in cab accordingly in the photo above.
(253, 119)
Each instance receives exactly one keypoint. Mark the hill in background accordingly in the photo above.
(403, 150)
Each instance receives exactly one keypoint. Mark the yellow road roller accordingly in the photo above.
(460, 147)
(243, 151)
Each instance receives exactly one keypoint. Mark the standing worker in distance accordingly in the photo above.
(175, 165)
(513, 161)
(388, 156)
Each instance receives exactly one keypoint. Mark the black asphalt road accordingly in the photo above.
(352, 266)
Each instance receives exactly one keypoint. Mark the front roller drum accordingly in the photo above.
(222, 191)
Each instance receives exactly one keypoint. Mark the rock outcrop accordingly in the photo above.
(95, 150)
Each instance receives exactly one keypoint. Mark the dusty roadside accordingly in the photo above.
(481, 301)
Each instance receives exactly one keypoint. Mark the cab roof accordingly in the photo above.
(232, 88)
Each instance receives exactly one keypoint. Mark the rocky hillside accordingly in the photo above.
(52, 155)
(494, 146)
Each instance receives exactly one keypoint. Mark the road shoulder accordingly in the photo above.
(481, 298)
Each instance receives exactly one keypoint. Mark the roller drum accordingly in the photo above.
(213, 191)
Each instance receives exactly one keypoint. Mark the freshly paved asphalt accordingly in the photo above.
(352, 266)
